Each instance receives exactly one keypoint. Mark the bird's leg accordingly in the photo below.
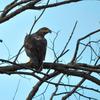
(30, 62)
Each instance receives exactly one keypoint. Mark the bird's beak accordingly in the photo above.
(50, 31)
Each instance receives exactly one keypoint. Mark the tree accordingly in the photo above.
(83, 63)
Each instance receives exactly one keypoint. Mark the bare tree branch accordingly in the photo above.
(16, 90)
(36, 87)
(54, 93)
(78, 85)
(78, 42)
(64, 69)
(31, 5)
(55, 69)
(36, 20)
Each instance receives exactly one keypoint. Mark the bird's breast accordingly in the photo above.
(38, 38)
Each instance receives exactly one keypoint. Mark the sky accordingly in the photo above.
(62, 19)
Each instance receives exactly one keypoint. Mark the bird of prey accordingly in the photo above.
(35, 46)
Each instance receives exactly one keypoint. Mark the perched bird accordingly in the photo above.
(35, 46)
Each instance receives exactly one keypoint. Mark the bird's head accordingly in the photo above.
(43, 31)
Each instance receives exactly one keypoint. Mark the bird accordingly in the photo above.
(35, 47)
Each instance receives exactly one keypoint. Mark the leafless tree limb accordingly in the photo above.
(83, 70)
(78, 42)
(87, 97)
(67, 85)
(56, 86)
(16, 90)
(78, 85)
(64, 69)
(29, 5)
(36, 19)
(36, 87)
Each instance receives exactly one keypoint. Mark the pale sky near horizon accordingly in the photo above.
(62, 19)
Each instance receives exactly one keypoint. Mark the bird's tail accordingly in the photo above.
(39, 67)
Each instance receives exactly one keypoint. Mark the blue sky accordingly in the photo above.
(62, 19)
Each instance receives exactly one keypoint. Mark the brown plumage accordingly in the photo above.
(35, 46)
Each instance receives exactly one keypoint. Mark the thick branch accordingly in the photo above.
(61, 68)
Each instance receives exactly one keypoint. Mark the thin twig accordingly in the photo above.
(64, 49)
(53, 94)
(78, 42)
(18, 53)
(87, 97)
(36, 20)
(53, 45)
(16, 90)
(77, 86)
(39, 83)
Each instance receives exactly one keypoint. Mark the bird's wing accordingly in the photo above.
(42, 49)
(28, 45)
